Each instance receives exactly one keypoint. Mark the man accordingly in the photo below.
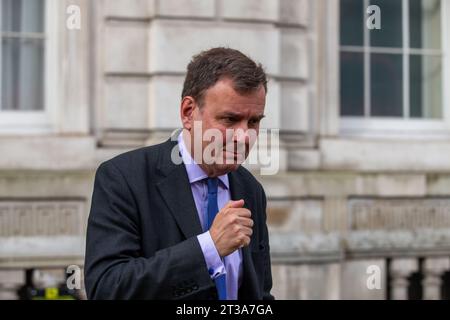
(173, 221)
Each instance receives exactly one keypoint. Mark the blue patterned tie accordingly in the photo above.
(213, 209)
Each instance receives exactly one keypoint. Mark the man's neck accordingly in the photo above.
(190, 144)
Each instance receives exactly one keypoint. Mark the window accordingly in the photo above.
(29, 87)
(396, 72)
(22, 55)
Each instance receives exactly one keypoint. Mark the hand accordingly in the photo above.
(231, 228)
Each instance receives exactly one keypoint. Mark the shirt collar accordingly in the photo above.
(194, 171)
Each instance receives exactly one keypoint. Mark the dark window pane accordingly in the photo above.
(352, 84)
(425, 86)
(22, 15)
(352, 22)
(425, 24)
(390, 34)
(22, 74)
(386, 85)
(415, 78)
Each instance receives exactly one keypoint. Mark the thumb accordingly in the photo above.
(235, 204)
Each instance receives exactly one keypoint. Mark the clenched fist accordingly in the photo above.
(231, 228)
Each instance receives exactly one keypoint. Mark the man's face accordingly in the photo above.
(237, 117)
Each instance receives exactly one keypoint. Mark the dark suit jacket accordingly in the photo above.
(142, 228)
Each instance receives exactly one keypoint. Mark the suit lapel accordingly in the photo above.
(237, 189)
(249, 287)
(176, 191)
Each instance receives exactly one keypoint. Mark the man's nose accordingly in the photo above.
(240, 133)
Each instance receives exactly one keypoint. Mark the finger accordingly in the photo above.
(247, 231)
(235, 204)
(245, 242)
(246, 222)
(242, 212)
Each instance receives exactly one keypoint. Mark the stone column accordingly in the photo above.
(400, 269)
(433, 270)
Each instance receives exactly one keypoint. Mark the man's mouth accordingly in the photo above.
(235, 157)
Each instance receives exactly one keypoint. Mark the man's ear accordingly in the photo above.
(188, 106)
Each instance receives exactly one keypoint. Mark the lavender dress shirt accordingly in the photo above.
(232, 265)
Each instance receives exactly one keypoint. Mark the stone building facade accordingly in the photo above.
(360, 208)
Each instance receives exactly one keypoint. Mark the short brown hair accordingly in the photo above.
(212, 65)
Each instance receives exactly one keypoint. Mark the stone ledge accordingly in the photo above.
(385, 155)
(187, 8)
(300, 248)
(41, 262)
(399, 240)
(47, 152)
(133, 9)
(252, 10)
(323, 247)
(295, 242)
(27, 249)
(306, 159)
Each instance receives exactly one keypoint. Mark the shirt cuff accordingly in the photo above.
(214, 264)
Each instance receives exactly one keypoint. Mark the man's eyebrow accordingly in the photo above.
(259, 117)
(231, 114)
(238, 115)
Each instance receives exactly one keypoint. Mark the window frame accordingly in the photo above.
(41, 121)
(404, 127)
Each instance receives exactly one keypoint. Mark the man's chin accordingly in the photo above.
(222, 169)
